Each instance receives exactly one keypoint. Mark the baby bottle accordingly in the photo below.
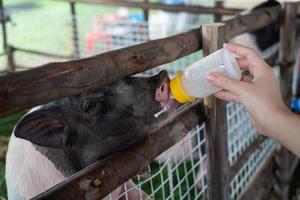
(192, 83)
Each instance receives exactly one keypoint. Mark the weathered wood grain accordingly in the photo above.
(246, 23)
(216, 124)
(218, 16)
(25, 89)
(287, 59)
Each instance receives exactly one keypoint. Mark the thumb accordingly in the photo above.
(221, 81)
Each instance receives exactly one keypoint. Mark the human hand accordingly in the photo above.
(259, 93)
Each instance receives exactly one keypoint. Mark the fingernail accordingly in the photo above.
(211, 76)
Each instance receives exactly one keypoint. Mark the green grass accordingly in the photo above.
(46, 27)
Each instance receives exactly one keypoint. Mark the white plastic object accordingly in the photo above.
(194, 81)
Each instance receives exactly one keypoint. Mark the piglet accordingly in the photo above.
(55, 140)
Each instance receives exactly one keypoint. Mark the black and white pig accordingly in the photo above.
(265, 39)
(55, 140)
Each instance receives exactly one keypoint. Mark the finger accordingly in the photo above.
(227, 96)
(247, 78)
(221, 81)
(244, 64)
(239, 50)
(245, 52)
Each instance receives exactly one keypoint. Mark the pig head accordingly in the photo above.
(74, 132)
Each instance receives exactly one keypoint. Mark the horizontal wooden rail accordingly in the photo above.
(246, 23)
(55, 80)
(26, 89)
(110, 172)
(166, 7)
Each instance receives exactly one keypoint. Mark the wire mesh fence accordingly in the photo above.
(180, 172)
(241, 134)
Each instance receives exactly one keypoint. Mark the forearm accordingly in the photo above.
(286, 130)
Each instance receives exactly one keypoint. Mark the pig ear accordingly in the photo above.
(43, 127)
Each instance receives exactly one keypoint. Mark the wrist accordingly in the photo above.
(287, 131)
(276, 122)
(280, 123)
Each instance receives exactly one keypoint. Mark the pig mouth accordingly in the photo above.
(168, 107)
(164, 96)
(171, 104)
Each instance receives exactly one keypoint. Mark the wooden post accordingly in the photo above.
(8, 50)
(10, 59)
(218, 16)
(146, 12)
(3, 25)
(287, 50)
(216, 124)
(76, 53)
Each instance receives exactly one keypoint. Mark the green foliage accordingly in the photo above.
(7, 124)
(2, 182)
(159, 185)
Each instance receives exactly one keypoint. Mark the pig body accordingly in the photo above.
(265, 39)
(56, 140)
(28, 172)
(36, 173)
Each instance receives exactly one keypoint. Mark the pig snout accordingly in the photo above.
(162, 92)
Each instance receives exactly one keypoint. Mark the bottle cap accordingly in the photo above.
(178, 91)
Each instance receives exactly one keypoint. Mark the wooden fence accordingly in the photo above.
(22, 90)
(10, 50)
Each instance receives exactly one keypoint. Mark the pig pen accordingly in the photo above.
(188, 169)
(180, 172)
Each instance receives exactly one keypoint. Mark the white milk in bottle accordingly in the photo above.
(192, 83)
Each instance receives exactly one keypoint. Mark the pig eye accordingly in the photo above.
(88, 105)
